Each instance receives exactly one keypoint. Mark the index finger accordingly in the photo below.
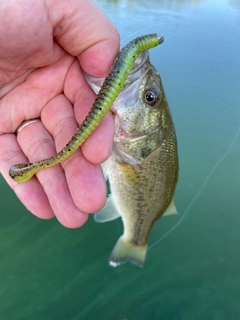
(85, 31)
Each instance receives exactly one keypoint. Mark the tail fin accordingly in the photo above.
(125, 251)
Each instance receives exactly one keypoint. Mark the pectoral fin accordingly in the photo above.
(171, 209)
(104, 169)
(108, 213)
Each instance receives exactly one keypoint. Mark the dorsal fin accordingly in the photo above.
(171, 209)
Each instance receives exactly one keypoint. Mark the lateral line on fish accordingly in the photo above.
(226, 153)
(108, 93)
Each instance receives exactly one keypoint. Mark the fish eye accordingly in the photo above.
(151, 97)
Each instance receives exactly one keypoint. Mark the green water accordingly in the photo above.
(193, 271)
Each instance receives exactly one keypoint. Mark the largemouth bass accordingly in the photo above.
(110, 89)
(143, 167)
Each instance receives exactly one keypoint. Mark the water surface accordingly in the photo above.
(192, 268)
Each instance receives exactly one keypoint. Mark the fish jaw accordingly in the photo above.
(140, 65)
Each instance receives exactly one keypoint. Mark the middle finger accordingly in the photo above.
(40, 146)
(85, 179)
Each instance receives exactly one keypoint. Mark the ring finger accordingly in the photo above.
(37, 143)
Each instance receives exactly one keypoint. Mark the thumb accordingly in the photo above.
(82, 29)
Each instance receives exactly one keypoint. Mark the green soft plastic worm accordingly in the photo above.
(108, 93)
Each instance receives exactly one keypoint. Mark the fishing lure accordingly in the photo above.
(108, 93)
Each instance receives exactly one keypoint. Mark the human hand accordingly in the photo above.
(44, 46)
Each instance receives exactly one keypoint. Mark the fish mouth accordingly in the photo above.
(122, 133)
(139, 69)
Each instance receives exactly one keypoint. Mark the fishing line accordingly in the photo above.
(154, 25)
(226, 153)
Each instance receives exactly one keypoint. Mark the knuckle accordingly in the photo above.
(61, 125)
(37, 145)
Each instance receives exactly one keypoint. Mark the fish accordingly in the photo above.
(108, 93)
(142, 169)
